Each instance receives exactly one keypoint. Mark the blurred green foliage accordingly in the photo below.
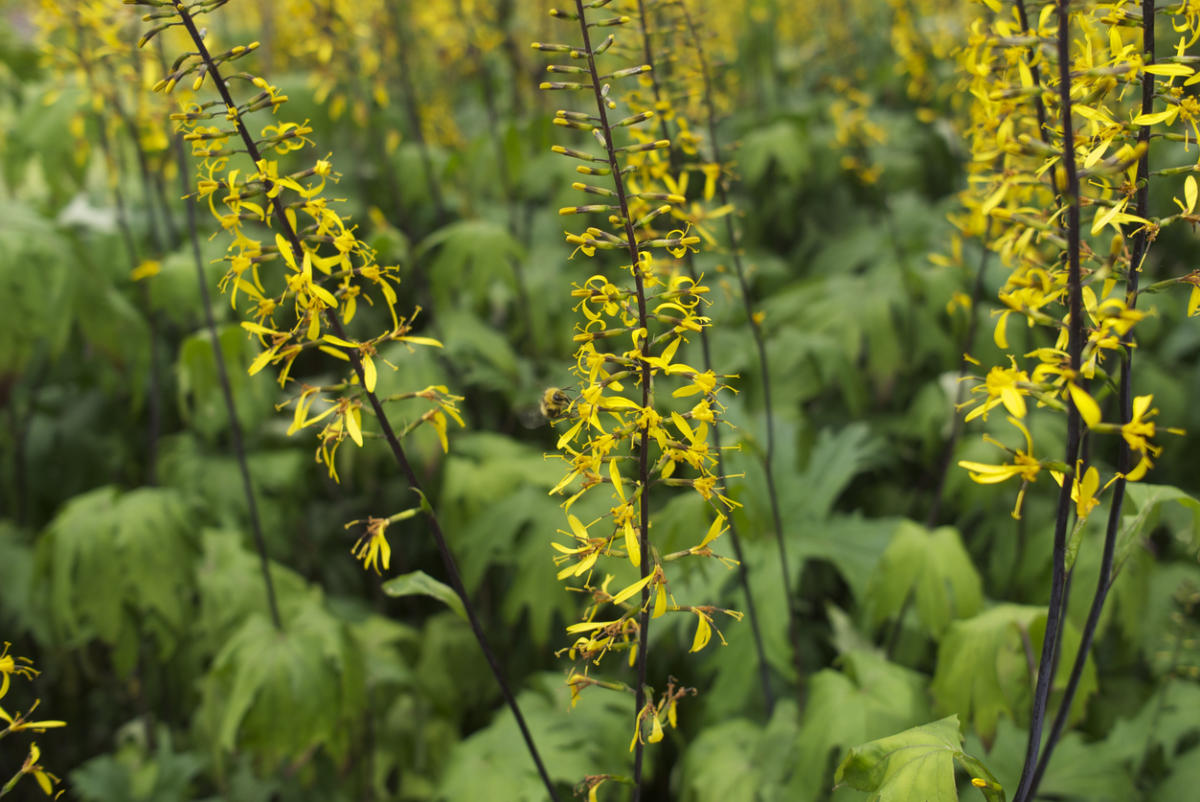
(127, 570)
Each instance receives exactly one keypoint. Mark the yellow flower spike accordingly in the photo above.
(262, 360)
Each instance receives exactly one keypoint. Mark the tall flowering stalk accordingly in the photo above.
(1061, 125)
(327, 272)
(679, 95)
(621, 432)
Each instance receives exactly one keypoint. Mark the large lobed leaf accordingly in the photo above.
(984, 667)
(934, 570)
(916, 765)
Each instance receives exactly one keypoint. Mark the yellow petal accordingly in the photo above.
(703, 633)
(353, 420)
(660, 600)
(577, 528)
(586, 563)
(1087, 406)
(1000, 335)
(614, 473)
(636, 587)
(369, 375)
(420, 341)
(714, 531)
(632, 546)
(656, 731)
(1013, 401)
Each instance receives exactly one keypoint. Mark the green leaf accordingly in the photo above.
(934, 569)
(37, 302)
(778, 146)
(1167, 720)
(230, 585)
(474, 258)
(1184, 778)
(278, 693)
(852, 543)
(917, 764)
(869, 698)
(134, 773)
(1095, 772)
(983, 667)
(738, 760)
(835, 460)
(494, 763)
(484, 355)
(119, 568)
(201, 400)
(1147, 502)
(419, 583)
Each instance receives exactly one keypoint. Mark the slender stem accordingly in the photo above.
(1140, 245)
(1074, 343)
(414, 118)
(235, 426)
(764, 670)
(1035, 75)
(114, 167)
(6, 789)
(760, 346)
(644, 445)
(389, 434)
(968, 340)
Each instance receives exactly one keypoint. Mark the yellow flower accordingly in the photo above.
(17, 723)
(45, 779)
(373, 547)
(1002, 386)
(13, 665)
(1024, 464)
(1137, 434)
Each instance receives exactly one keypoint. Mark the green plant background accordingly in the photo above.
(143, 604)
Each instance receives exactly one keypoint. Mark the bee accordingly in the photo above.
(554, 403)
(552, 406)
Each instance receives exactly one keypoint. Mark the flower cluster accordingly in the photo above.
(620, 432)
(1020, 195)
(20, 722)
(301, 288)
